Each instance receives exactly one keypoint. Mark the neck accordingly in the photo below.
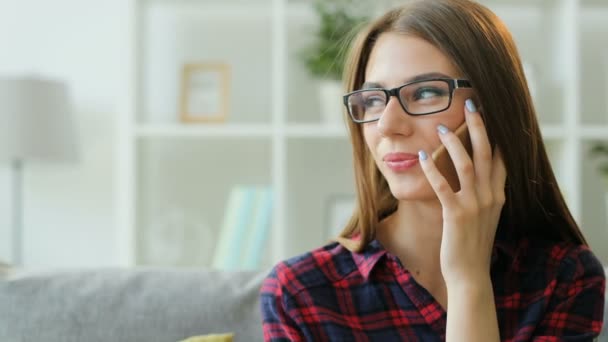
(413, 234)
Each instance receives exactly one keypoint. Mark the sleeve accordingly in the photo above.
(576, 308)
(276, 322)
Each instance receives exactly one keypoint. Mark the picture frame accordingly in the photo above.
(339, 209)
(204, 92)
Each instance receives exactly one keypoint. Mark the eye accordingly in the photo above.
(374, 99)
(425, 93)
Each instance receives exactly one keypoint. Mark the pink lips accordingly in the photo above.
(400, 161)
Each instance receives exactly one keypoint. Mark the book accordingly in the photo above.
(237, 215)
(258, 230)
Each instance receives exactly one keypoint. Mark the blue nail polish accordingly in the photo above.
(442, 129)
(470, 106)
(422, 155)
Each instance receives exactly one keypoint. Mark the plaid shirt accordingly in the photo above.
(549, 292)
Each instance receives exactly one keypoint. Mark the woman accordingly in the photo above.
(497, 258)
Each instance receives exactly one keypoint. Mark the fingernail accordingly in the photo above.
(422, 155)
(442, 129)
(470, 106)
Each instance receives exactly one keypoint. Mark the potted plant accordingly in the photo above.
(599, 151)
(338, 22)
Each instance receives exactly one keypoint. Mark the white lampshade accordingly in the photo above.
(36, 121)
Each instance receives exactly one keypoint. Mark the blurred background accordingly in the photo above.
(209, 133)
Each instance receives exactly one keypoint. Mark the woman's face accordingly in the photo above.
(395, 60)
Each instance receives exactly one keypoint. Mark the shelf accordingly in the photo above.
(303, 131)
(203, 130)
(181, 192)
(593, 64)
(237, 131)
(594, 221)
(584, 132)
(318, 173)
(171, 36)
(275, 132)
(594, 132)
(302, 88)
(240, 8)
(552, 131)
(316, 130)
(594, 3)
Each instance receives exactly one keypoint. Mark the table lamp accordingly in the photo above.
(36, 124)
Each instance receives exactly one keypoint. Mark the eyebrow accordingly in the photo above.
(420, 77)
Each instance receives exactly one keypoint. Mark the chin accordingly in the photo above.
(406, 191)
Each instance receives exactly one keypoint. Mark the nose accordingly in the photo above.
(394, 120)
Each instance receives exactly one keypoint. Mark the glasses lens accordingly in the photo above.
(425, 97)
(366, 105)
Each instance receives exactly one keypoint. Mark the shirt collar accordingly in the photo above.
(369, 257)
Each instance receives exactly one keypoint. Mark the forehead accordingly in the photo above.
(396, 58)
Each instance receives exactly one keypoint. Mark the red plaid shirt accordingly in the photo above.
(543, 292)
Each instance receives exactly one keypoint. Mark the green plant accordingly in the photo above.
(339, 21)
(599, 151)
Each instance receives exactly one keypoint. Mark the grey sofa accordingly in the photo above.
(133, 305)
(136, 305)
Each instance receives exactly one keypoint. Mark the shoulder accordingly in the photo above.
(571, 283)
(542, 267)
(323, 266)
(564, 260)
(579, 260)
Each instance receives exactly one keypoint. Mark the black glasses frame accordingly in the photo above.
(453, 84)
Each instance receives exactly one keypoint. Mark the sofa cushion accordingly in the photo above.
(143, 304)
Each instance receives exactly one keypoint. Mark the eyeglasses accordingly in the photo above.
(416, 98)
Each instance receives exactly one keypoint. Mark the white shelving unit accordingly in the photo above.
(273, 134)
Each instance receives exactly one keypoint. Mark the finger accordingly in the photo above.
(439, 184)
(482, 152)
(460, 157)
(499, 175)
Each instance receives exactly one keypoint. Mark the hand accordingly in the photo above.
(470, 216)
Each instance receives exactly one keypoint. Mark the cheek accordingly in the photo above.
(371, 137)
(455, 115)
(451, 118)
(426, 136)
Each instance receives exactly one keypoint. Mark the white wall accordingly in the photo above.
(69, 219)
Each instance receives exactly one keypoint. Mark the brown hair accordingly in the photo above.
(481, 47)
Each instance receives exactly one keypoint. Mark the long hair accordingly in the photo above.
(481, 47)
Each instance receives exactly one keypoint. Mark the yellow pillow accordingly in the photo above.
(211, 338)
